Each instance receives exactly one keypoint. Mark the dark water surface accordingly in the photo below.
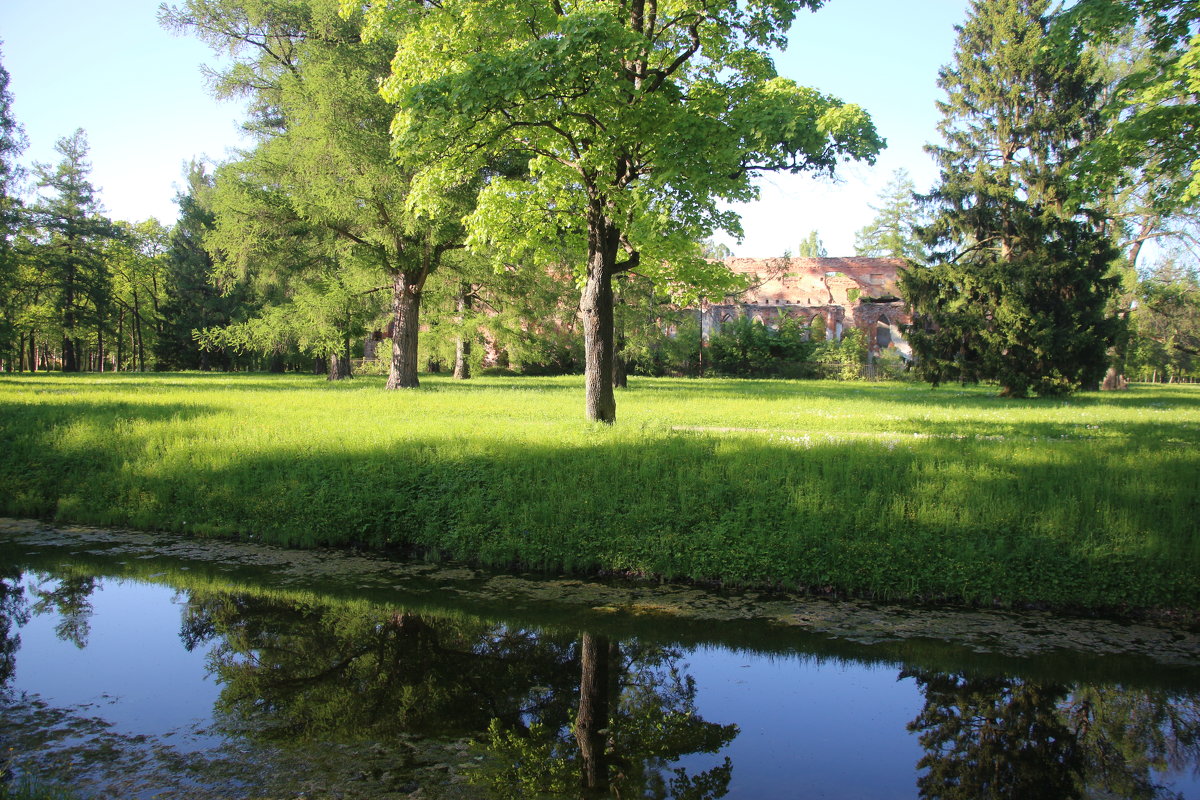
(137, 665)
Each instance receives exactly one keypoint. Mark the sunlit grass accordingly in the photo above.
(891, 490)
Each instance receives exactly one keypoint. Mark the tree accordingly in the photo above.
(811, 246)
(1165, 335)
(12, 143)
(138, 264)
(325, 145)
(1017, 290)
(1152, 116)
(193, 300)
(315, 296)
(893, 232)
(73, 232)
(637, 120)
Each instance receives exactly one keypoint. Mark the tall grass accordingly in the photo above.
(887, 490)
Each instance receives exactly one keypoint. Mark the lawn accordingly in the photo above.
(886, 490)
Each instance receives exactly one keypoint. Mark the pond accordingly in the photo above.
(143, 665)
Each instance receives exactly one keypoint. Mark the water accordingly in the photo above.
(214, 674)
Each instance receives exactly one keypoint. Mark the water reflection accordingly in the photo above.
(13, 614)
(69, 597)
(995, 738)
(990, 737)
(401, 701)
(551, 714)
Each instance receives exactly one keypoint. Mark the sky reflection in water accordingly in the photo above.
(279, 697)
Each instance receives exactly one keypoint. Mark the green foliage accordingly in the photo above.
(12, 143)
(323, 189)
(1165, 323)
(72, 234)
(811, 247)
(1018, 288)
(654, 335)
(195, 298)
(637, 127)
(886, 490)
(893, 232)
(842, 359)
(745, 347)
(1152, 117)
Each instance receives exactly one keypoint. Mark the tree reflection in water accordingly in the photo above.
(1003, 737)
(333, 690)
(636, 716)
(994, 738)
(14, 612)
(70, 596)
(551, 714)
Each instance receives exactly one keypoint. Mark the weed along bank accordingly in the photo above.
(889, 491)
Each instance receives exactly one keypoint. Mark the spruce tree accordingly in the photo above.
(193, 299)
(1016, 290)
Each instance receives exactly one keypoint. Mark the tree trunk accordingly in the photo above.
(462, 344)
(596, 312)
(33, 364)
(339, 367)
(462, 358)
(320, 365)
(591, 722)
(137, 327)
(70, 359)
(620, 368)
(120, 337)
(406, 307)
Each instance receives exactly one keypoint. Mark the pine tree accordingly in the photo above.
(73, 231)
(892, 234)
(1017, 290)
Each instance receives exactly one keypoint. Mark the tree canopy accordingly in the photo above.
(637, 120)
(893, 232)
(1153, 115)
(1018, 290)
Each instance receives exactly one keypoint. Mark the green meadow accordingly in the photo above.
(888, 490)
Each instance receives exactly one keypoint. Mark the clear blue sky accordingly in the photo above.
(137, 90)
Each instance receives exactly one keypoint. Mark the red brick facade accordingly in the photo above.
(858, 292)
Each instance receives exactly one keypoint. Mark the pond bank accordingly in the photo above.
(892, 492)
(150, 665)
(692, 613)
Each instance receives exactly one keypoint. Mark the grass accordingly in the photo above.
(886, 490)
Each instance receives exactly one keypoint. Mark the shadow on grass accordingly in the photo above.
(923, 519)
(53, 451)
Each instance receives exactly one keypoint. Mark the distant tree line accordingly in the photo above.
(535, 191)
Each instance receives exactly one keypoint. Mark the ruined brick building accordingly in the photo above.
(831, 294)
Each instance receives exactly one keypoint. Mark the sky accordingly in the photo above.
(139, 93)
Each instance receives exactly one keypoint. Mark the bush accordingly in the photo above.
(748, 348)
